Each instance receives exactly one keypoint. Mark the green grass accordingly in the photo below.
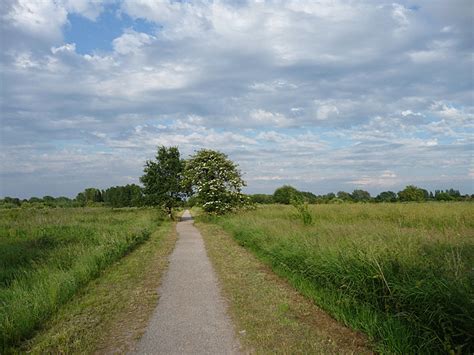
(112, 311)
(46, 256)
(402, 273)
(270, 316)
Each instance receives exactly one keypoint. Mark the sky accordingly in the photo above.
(323, 95)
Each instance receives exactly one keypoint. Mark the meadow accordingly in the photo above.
(401, 273)
(47, 255)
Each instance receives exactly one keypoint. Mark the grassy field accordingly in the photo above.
(401, 273)
(47, 255)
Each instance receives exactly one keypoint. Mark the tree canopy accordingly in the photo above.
(162, 179)
(411, 193)
(285, 194)
(215, 181)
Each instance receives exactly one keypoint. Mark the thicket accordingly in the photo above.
(46, 255)
(402, 273)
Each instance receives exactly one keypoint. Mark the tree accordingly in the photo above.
(162, 179)
(386, 196)
(215, 181)
(345, 196)
(81, 199)
(360, 195)
(285, 194)
(411, 193)
(124, 196)
(447, 195)
(308, 197)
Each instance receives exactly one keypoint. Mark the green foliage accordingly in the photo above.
(163, 179)
(386, 196)
(344, 196)
(308, 197)
(89, 197)
(261, 198)
(412, 193)
(401, 273)
(10, 202)
(303, 209)
(47, 255)
(285, 194)
(215, 181)
(360, 196)
(447, 195)
(124, 196)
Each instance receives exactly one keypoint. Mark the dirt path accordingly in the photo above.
(191, 315)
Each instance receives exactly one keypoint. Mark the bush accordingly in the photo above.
(303, 210)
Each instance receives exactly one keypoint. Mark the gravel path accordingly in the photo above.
(191, 315)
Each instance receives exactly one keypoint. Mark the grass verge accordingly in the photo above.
(111, 313)
(270, 316)
(48, 255)
(401, 273)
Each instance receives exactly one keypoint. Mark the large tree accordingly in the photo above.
(215, 181)
(162, 179)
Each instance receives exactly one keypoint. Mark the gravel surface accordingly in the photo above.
(191, 315)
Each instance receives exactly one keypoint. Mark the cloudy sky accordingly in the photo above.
(324, 95)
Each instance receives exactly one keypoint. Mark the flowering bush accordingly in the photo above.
(215, 181)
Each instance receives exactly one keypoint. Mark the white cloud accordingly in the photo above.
(90, 9)
(407, 113)
(400, 14)
(68, 47)
(451, 113)
(272, 119)
(25, 60)
(43, 19)
(323, 112)
(131, 41)
(384, 180)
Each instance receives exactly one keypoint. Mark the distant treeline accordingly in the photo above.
(117, 196)
(132, 196)
(286, 194)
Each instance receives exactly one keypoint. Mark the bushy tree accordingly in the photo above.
(386, 196)
(360, 196)
(162, 179)
(344, 196)
(411, 193)
(285, 194)
(215, 181)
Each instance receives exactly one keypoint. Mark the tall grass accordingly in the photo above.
(402, 273)
(48, 255)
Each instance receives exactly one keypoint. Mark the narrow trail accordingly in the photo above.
(191, 315)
